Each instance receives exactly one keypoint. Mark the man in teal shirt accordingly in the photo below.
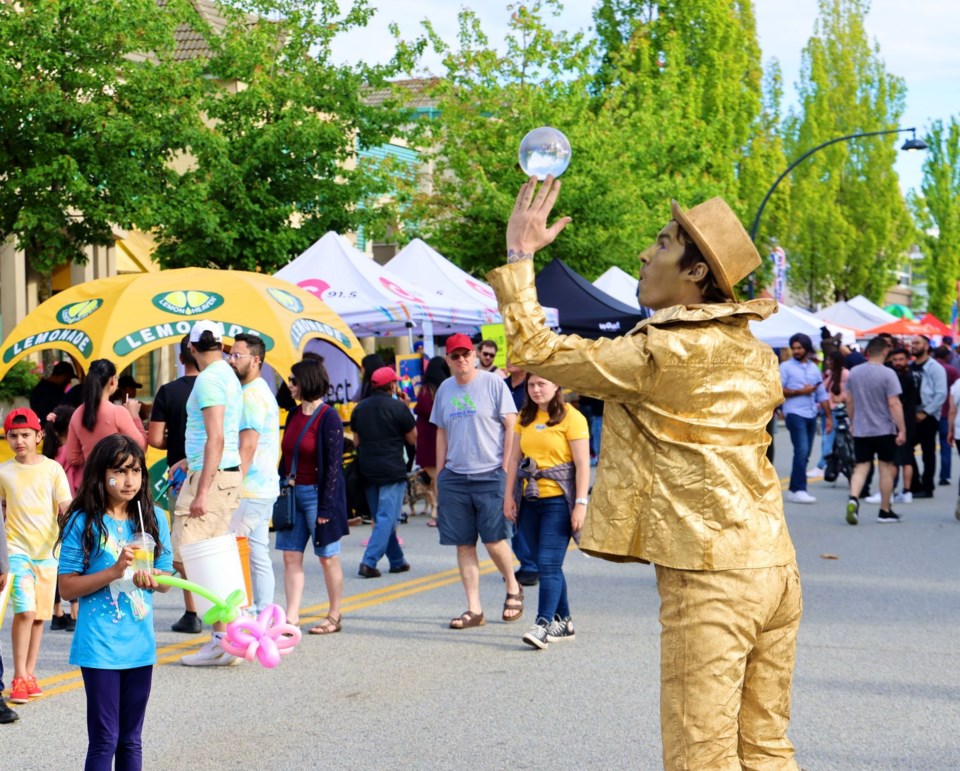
(212, 442)
(260, 457)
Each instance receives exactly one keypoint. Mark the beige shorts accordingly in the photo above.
(222, 498)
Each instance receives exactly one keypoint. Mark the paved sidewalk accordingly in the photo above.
(877, 685)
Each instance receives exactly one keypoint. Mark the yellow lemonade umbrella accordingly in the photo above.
(123, 317)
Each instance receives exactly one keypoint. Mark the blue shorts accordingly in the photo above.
(304, 525)
(471, 506)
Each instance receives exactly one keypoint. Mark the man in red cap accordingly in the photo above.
(382, 427)
(34, 492)
(473, 412)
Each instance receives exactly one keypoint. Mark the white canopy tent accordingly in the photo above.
(420, 262)
(620, 285)
(373, 300)
(868, 308)
(858, 313)
(777, 330)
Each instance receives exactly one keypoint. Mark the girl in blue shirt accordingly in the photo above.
(114, 643)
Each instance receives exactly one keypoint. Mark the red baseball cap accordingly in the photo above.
(32, 421)
(458, 341)
(382, 376)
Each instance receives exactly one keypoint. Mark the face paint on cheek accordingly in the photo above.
(112, 482)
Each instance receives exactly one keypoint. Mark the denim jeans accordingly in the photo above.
(596, 428)
(252, 519)
(386, 503)
(545, 523)
(523, 553)
(802, 431)
(946, 451)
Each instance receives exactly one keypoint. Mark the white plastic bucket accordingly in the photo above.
(214, 564)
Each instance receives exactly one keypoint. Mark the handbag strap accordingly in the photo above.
(296, 448)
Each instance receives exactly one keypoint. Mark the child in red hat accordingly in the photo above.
(34, 491)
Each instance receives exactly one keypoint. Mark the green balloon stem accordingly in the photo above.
(221, 611)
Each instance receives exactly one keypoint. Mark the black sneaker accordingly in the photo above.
(70, 623)
(7, 715)
(189, 623)
(561, 629)
(885, 517)
(527, 579)
(58, 623)
(945, 483)
(853, 511)
(537, 637)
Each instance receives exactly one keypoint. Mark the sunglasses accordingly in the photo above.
(236, 356)
(292, 380)
(487, 354)
(458, 356)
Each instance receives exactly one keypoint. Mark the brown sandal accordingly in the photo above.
(466, 620)
(513, 602)
(327, 625)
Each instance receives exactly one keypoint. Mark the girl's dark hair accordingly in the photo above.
(312, 379)
(711, 291)
(52, 429)
(437, 371)
(370, 363)
(111, 452)
(836, 372)
(556, 409)
(99, 374)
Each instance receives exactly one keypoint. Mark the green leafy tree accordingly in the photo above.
(938, 214)
(274, 164)
(701, 118)
(485, 104)
(90, 98)
(849, 223)
(665, 103)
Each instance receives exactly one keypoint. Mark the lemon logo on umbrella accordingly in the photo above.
(187, 302)
(71, 314)
(286, 299)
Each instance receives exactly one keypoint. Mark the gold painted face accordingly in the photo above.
(662, 282)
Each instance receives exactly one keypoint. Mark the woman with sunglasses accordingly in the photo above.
(319, 492)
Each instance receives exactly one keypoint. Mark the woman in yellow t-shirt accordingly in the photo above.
(551, 443)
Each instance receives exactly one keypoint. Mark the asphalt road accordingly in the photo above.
(877, 684)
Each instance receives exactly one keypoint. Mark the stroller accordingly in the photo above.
(841, 460)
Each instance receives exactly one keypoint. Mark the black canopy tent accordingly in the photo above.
(584, 310)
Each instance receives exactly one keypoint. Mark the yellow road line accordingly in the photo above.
(72, 680)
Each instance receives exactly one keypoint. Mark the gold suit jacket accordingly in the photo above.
(683, 479)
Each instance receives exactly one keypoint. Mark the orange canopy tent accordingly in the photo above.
(902, 327)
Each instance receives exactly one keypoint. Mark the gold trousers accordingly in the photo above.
(727, 648)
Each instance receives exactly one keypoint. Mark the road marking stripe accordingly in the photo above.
(73, 679)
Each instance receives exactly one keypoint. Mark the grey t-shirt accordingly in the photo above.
(472, 415)
(870, 385)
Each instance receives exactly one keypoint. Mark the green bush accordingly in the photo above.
(19, 380)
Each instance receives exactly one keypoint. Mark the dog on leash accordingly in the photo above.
(419, 491)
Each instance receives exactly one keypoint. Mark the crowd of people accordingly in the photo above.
(74, 508)
(899, 396)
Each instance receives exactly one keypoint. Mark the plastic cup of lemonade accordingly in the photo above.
(143, 546)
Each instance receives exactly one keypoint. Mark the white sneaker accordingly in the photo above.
(210, 655)
(875, 498)
(815, 473)
(800, 496)
(903, 497)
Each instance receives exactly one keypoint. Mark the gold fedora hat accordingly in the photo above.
(722, 239)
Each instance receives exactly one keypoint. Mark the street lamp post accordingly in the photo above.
(910, 144)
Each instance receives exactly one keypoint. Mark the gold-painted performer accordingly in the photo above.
(684, 481)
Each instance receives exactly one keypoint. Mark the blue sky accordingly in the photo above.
(916, 40)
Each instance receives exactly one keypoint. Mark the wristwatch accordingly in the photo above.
(584, 501)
